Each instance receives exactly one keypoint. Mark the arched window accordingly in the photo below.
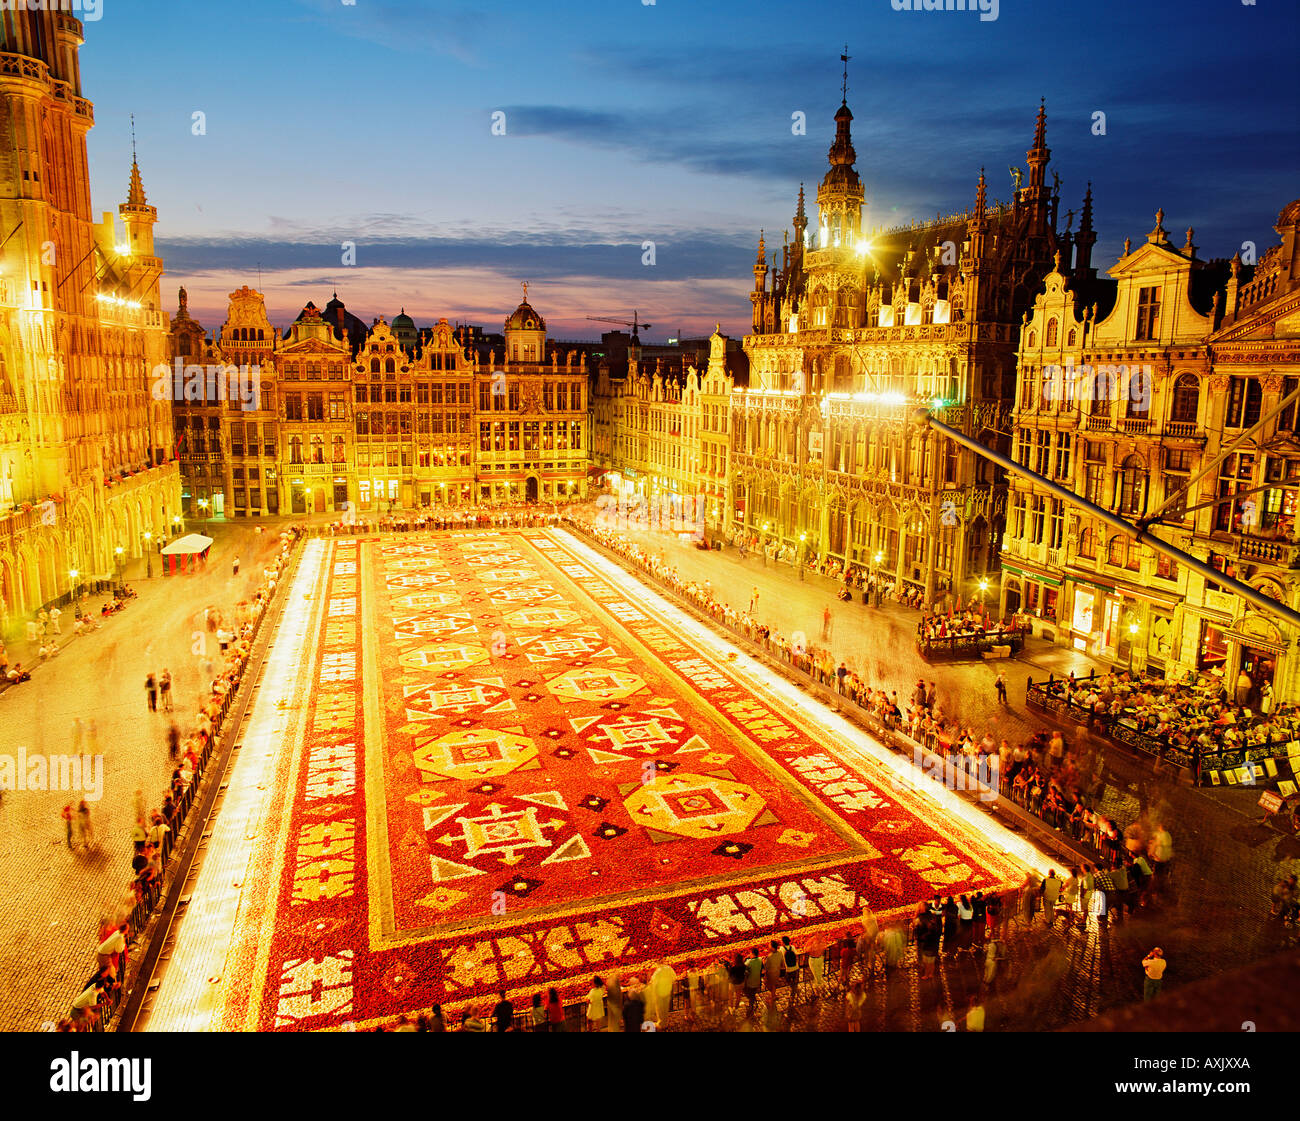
(374, 365)
(1051, 333)
(1117, 550)
(1070, 337)
(1187, 399)
(1033, 338)
(259, 334)
(1131, 486)
(1088, 544)
(390, 367)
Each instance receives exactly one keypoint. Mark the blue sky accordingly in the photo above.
(670, 122)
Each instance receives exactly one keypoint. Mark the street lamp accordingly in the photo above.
(762, 545)
(802, 538)
(119, 555)
(176, 524)
(1132, 632)
(148, 555)
(203, 506)
(984, 587)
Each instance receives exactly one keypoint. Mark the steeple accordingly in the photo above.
(760, 265)
(137, 215)
(839, 198)
(1085, 239)
(1037, 195)
(973, 265)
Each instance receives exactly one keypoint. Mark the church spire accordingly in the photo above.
(1086, 238)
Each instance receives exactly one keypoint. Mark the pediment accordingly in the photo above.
(1150, 258)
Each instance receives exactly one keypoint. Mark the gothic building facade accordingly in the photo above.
(348, 417)
(853, 329)
(86, 445)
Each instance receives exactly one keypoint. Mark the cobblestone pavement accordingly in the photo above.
(54, 896)
(1225, 862)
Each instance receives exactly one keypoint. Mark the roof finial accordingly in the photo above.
(844, 89)
(524, 285)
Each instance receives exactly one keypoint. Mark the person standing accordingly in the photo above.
(826, 623)
(85, 831)
(67, 822)
(1001, 685)
(753, 978)
(790, 967)
(234, 568)
(596, 1005)
(1153, 965)
(165, 690)
(931, 696)
(55, 615)
(503, 1015)
(1051, 894)
(772, 970)
(614, 1003)
(151, 688)
(854, 1000)
(753, 600)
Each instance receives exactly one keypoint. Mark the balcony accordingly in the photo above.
(1135, 426)
(1184, 430)
(1098, 424)
(1279, 552)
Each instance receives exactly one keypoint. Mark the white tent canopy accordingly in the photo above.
(190, 543)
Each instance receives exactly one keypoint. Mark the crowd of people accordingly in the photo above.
(513, 516)
(1194, 715)
(44, 629)
(956, 622)
(155, 830)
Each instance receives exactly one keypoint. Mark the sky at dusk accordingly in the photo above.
(626, 122)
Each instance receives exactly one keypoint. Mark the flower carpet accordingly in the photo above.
(503, 773)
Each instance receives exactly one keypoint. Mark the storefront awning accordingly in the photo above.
(1030, 574)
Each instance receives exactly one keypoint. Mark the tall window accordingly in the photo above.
(1088, 544)
(1063, 455)
(1043, 464)
(1056, 526)
(1130, 486)
(1148, 316)
(1052, 328)
(1186, 399)
(1244, 397)
(295, 449)
(1038, 509)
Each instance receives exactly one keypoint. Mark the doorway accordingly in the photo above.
(530, 489)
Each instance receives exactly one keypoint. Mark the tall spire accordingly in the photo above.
(1086, 237)
(981, 197)
(135, 193)
(844, 88)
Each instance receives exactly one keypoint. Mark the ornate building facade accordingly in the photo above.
(855, 328)
(350, 418)
(1128, 390)
(86, 445)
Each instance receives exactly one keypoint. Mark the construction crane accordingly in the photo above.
(634, 324)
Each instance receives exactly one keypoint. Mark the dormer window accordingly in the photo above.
(1148, 316)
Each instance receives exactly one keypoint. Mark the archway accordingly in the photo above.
(530, 489)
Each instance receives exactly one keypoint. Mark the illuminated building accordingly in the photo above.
(1128, 388)
(853, 329)
(86, 463)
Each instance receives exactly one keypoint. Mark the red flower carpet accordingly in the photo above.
(506, 775)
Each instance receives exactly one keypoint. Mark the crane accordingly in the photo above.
(634, 324)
